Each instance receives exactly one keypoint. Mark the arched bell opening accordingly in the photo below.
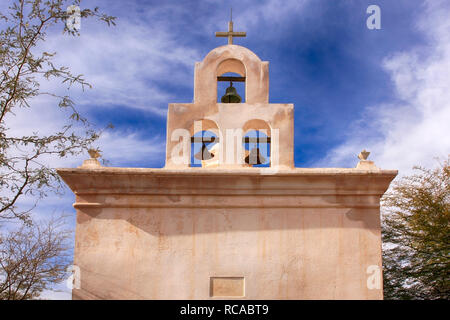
(231, 85)
(257, 148)
(203, 148)
(230, 88)
(257, 140)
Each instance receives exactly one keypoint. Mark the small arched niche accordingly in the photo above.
(236, 59)
(256, 141)
(204, 142)
(231, 72)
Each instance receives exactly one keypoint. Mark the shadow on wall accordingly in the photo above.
(188, 221)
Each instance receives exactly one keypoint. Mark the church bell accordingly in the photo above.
(231, 95)
(255, 157)
(204, 154)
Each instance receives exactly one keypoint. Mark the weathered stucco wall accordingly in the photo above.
(228, 230)
(163, 234)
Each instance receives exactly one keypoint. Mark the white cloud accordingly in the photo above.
(125, 64)
(60, 292)
(117, 146)
(128, 147)
(415, 128)
(254, 16)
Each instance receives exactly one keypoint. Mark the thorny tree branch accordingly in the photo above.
(22, 158)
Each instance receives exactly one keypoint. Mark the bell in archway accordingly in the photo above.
(204, 154)
(255, 157)
(231, 95)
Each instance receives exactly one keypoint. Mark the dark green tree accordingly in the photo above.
(416, 235)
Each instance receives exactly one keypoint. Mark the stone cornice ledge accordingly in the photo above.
(252, 181)
(235, 172)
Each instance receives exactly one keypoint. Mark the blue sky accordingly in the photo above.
(322, 58)
(352, 88)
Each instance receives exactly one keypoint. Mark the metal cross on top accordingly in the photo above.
(230, 34)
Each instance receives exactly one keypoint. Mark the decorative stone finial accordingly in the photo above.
(365, 164)
(363, 155)
(92, 162)
(94, 153)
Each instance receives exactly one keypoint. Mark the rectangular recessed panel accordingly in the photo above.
(227, 287)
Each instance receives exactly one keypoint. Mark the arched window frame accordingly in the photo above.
(204, 130)
(257, 132)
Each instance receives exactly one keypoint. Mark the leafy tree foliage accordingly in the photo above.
(35, 256)
(416, 236)
(23, 170)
